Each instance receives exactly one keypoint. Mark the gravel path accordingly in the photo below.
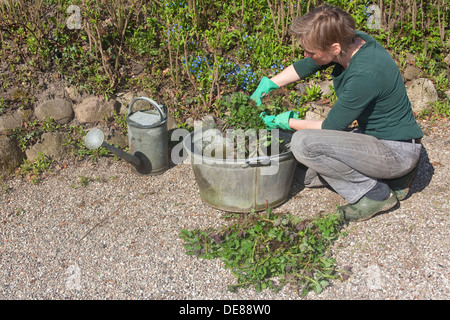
(118, 236)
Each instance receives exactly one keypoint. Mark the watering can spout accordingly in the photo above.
(95, 139)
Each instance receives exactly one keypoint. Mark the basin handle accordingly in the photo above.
(257, 162)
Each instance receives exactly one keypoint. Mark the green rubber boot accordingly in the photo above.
(366, 208)
(401, 185)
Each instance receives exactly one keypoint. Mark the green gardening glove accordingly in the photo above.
(280, 121)
(265, 86)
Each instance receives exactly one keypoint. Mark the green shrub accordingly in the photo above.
(191, 53)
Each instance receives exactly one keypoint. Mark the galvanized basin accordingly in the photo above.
(241, 185)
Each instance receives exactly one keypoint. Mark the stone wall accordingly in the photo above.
(65, 108)
(69, 107)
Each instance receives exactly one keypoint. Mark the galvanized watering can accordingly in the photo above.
(147, 139)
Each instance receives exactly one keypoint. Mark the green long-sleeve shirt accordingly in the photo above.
(371, 91)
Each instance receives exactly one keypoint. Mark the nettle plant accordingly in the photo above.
(269, 251)
(243, 112)
(239, 118)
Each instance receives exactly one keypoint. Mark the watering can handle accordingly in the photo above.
(162, 114)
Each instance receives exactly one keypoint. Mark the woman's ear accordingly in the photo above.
(336, 49)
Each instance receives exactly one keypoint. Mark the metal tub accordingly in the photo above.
(241, 185)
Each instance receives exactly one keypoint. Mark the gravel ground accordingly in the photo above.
(118, 237)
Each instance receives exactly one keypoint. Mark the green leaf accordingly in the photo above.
(257, 249)
(323, 283)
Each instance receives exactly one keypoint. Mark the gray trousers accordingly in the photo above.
(351, 163)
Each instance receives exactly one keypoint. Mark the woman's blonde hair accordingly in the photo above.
(323, 26)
